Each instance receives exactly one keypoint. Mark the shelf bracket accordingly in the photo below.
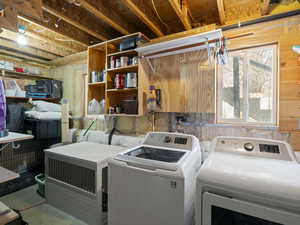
(150, 64)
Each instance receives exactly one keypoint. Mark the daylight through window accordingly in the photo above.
(248, 86)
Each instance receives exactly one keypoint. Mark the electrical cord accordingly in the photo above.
(155, 9)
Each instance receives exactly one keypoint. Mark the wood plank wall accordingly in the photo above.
(187, 82)
(286, 33)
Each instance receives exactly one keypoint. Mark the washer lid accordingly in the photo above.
(161, 158)
(260, 176)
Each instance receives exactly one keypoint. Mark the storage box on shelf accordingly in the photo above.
(120, 89)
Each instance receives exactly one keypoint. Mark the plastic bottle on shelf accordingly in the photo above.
(151, 99)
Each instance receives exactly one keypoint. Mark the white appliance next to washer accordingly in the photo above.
(246, 181)
(154, 184)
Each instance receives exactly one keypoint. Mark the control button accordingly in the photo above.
(249, 147)
(167, 139)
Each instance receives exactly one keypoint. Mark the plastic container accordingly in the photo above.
(43, 129)
(41, 180)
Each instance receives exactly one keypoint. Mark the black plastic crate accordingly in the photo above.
(43, 129)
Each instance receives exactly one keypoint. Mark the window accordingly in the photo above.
(248, 86)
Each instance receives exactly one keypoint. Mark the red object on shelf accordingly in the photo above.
(19, 70)
(120, 81)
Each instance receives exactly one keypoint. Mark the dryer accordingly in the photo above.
(154, 183)
(248, 181)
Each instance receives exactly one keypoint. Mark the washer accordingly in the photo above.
(248, 181)
(154, 184)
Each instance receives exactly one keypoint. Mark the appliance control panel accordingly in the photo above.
(170, 140)
(254, 147)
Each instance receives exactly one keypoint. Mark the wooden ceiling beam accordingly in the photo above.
(36, 43)
(39, 32)
(182, 12)
(22, 56)
(108, 16)
(143, 10)
(9, 18)
(27, 7)
(7, 44)
(265, 7)
(61, 27)
(69, 14)
(221, 10)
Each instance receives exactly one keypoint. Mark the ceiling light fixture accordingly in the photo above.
(22, 40)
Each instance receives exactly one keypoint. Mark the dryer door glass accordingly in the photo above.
(221, 210)
(163, 155)
(221, 216)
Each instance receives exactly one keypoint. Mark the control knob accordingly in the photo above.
(249, 147)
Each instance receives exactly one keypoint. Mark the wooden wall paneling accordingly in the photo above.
(144, 74)
(294, 140)
(290, 90)
(187, 83)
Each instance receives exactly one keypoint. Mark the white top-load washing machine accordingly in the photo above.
(154, 184)
(248, 181)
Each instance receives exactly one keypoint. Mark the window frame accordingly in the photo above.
(245, 120)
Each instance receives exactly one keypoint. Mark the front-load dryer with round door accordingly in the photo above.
(154, 184)
(247, 181)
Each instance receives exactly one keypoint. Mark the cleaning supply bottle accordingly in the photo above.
(151, 99)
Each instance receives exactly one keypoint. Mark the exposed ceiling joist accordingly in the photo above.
(27, 51)
(74, 23)
(36, 43)
(77, 17)
(61, 27)
(108, 16)
(142, 9)
(8, 19)
(41, 33)
(22, 60)
(23, 56)
(221, 11)
(182, 12)
(265, 7)
(45, 55)
(26, 7)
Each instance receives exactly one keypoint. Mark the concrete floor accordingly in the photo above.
(40, 215)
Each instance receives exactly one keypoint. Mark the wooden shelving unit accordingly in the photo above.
(122, 90)
(97, 83)
(99, 60)
(19, 75)
(55, 100)
(124, 69)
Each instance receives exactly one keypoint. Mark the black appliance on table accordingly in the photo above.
(45, 89)
(54, 87)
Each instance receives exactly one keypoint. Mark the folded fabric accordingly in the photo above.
(43, 115)
(42, 106)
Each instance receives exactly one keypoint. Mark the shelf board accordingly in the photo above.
(122, 90)
(121, 114)
(14, 74)
(123, 69)
(97, 83)
(127, 52)
(26, 99)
